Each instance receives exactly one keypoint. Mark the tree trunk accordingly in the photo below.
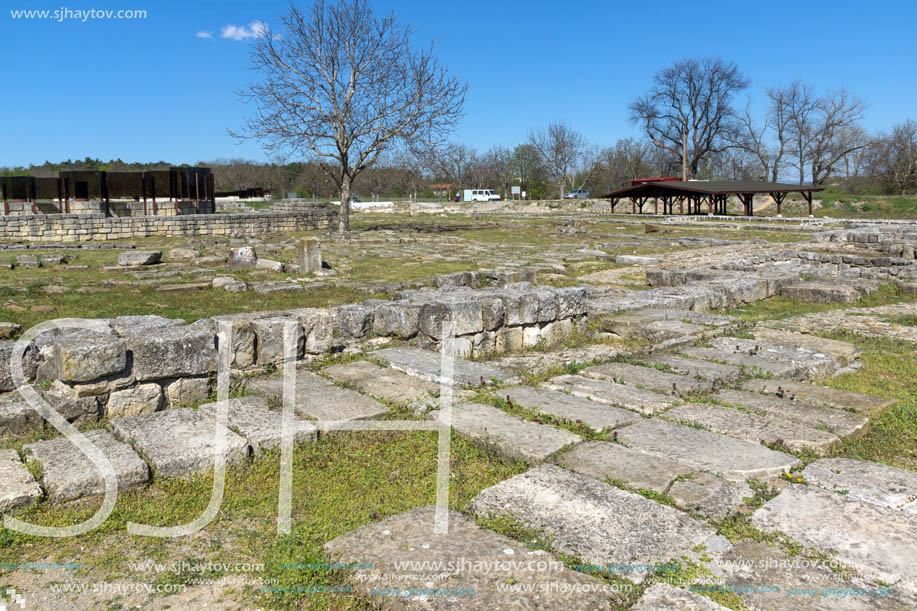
(560, 187)
(344, 215)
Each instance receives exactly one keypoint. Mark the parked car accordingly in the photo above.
(480, 195)
(577, 194)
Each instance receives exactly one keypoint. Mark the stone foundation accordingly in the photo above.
(84, 227)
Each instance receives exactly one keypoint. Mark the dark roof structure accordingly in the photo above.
(713, 194)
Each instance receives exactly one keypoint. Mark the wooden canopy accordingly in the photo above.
(698, 192)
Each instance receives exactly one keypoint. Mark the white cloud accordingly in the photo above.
(204, 34)
(254, 30)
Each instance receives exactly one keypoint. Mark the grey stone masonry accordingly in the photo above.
(18, 489)
(823, 396)
(17, 417)
(866, 481)
(731, 458)
(611, 393)
(90, 356)
(837, 421)
(318, 398)
(869, 539)
(570, 407)
(173, 351)
(68, 474)
(599, 523)
(425, 364)
(261, 427)
(409, 538)
(647, 377)
(510, 435)
(87, 227)
(178, 442)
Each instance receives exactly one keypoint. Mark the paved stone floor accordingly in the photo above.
(638, 444)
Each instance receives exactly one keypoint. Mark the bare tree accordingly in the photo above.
(342, 87)
(688, 111)
(894, 157)
(527, 166)
(561, 149)
(834, 133)
(456, 163)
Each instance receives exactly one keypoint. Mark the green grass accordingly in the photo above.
(778, 308)
(340, 483)
(889, 370)
(838, 204)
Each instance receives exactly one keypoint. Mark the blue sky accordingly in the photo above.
(150, 89)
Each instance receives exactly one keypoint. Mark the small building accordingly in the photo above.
(692, 196)
(178, 190)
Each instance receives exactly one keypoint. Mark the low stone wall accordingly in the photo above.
(83, 227)
(140, 364)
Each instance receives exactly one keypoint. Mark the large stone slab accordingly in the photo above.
(731, 458)
(599, 523)
(385, 383)
(871, 539)
(752, 426)
(844, 352)
(820, 395)
(766, 578)
(68, 474)
(647, 377)
(173, 351)
(821, 292)
(813, 362)
(318, 398)
(562, 405)
(502, 573)
(866, 481)
(661, 596)
(750, 364)
(17, 417)
(425, 364)
(510, 435)
(690, 316)
(618, 463)
(261, 427)
(696, 368)
(90, 356)
(611, 393)
(836, 421)
(178, 442)
(710, 495)
(136, 258)
(18, 489)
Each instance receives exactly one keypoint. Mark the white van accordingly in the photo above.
(480, 195)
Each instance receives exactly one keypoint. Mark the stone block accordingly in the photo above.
(270, 337)
(510, 435)
(269, 265)
(68, 403)
(178, 442)
(618, 463)
(871, 540)
(261, 427)
(355, 320)
(409, 538)
(866, 481)
(140, 399)
(243, 340)
(310, 255)
(136, 258)
(385, 383)
(245, 256)
(594, 521)
(68, 474)
(174, 352)
(611, 393)
(396, 319)
(318, 398)
(425, 364)
(186, 391)
(570, 407)
(88, 357)
(731, 458)
(18, 489)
